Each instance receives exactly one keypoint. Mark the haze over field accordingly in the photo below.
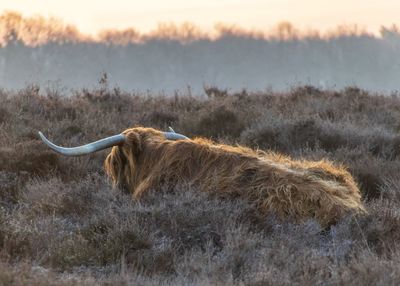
(172, 57)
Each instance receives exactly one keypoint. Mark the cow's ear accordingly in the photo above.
(134, 141)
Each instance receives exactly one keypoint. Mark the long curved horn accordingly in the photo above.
(85, 149)
(100, 144)
(174, 136)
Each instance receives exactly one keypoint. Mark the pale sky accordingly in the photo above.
(90, 16)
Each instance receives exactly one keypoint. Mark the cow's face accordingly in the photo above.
(123, 162)
(118, 167)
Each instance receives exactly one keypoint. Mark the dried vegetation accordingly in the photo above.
(62, 224)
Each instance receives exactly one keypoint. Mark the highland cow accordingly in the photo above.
(144, 158)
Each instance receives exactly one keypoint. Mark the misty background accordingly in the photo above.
(50, 53)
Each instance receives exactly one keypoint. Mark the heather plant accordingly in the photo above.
(62, 223)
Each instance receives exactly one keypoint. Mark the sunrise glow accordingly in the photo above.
(92, 16)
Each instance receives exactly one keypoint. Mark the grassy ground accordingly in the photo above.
(61, 223)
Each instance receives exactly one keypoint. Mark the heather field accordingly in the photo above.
(62, 223)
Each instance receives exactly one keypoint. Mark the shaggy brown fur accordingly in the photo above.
(271, 182)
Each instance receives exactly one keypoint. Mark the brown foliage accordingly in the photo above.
(62, 224)
(38, 30)
(29, 157)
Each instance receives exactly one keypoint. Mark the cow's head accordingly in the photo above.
(122, 162)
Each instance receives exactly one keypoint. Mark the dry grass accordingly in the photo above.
(62, 224)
